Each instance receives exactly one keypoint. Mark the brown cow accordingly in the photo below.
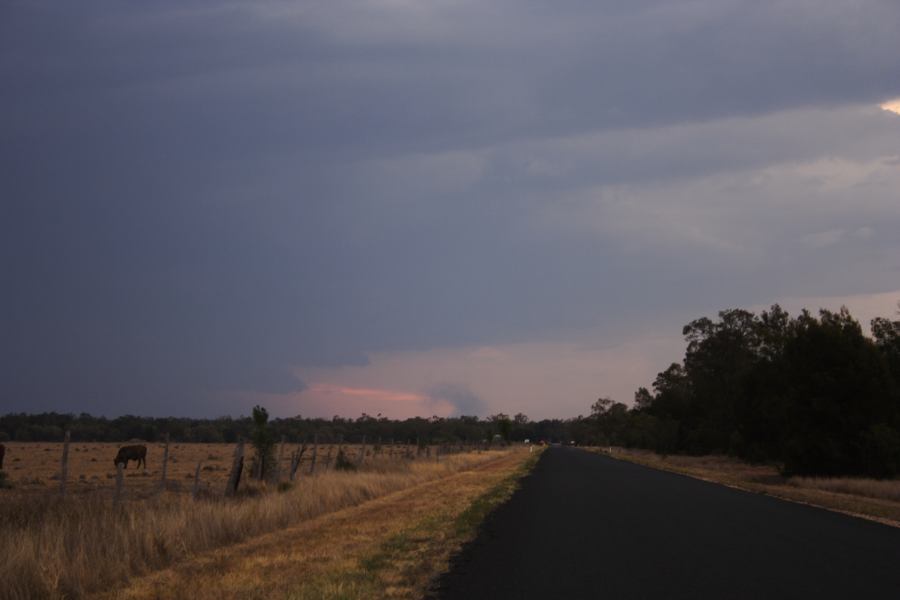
(2, 454)
(126, 453)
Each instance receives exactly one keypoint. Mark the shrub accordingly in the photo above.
(263, 442)
(342, 463)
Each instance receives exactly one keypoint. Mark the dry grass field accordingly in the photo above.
(868, 498)
(391, 547)
(35, 466)
(83, 544)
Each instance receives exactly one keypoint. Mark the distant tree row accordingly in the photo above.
(812, 393)
(84, 427)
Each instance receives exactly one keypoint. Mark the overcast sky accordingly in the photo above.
(426, 207)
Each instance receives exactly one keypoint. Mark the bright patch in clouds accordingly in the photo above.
(892, 106)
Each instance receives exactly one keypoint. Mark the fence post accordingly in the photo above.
(296, 459)
(259, 466)
(64, 467)
(340, 447)
(362, 453)
(196, 489)
(391, 448)
(234, 478)
(277, 471)
(165, 465)
(120, 480)
(312, 464)
(328, 456)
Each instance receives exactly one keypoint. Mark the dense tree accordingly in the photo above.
(263, 442)
(813, 393)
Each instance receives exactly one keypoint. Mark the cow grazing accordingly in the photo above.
(2, 454)
(126, 453)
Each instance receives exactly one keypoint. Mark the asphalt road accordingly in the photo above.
(586, 526)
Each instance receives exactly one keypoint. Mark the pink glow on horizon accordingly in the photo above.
(361, 392)
(328, 399)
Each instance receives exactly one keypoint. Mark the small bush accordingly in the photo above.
(342, 463)
(5, 484)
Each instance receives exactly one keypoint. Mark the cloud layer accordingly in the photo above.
(204, 203)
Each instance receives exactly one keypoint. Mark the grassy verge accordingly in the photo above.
(389, 547)
(437, 537)
(77, 546)
(877, 500)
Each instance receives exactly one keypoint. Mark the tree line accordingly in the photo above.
(87, 428)
(811, 393)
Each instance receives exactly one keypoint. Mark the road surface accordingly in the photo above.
(584, 525)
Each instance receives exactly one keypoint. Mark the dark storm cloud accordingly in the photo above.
(199, 196)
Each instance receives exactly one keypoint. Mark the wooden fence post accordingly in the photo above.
(362, 453)
(196, 488)
(391, 448)
(340, 448)
(120, 480)
(64, 467)
(276, 472)
(328, 456)
(165, 465)
(237, 466)
(259, 466)
(312, 464)
(296, 459)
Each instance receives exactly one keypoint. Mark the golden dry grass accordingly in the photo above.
(873, 499)
(391, 547)
(68, 548)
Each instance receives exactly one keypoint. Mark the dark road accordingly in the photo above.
(587, 526)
